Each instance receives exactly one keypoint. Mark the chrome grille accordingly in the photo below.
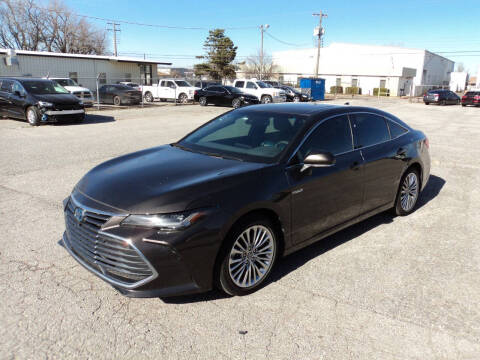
(114, 258)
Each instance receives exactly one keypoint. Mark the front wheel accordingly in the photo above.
(249, 256)
(203, 101)
(427, 103)
(33, 116)
(148, 97)
(183, 98)
(408, 192)
(266, 99)
(236, 103)
(117, 101)
(296, 99)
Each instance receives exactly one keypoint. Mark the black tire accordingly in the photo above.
(236, 103)
(443, 102)
(266, 99)
(399, 209)
(296, 98)
(117, 101)
(203, 101)
(79, 119)
(183, 98)
(464, 105)
(427, 103)
(223, 277)
(33, 116)
(148, 96)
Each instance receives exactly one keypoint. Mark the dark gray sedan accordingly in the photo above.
(119, 94)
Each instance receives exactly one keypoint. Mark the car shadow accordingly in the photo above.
(299, 258)
(89, 119)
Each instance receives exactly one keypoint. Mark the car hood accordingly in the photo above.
(57, 98)
(76, 88)
(162, 180)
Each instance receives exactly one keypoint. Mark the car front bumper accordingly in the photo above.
(168, 264)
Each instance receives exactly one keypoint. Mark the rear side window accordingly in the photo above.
(395, 129)
(333, 135)
(369, 129)
(239, 84)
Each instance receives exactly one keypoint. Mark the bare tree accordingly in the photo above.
(27, 26)
(255, 67)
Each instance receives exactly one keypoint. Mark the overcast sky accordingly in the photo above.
(436, 25)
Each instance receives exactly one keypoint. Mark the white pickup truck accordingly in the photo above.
(169, 89)
(263, 91)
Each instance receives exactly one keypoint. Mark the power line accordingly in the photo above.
(284, 42)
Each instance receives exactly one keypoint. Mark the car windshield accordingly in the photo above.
(44, 87)
(182, 83)
(262, 84)
(246, 136)
(233, 89)
(66, 82)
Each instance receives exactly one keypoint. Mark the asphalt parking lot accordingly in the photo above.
(387, 288)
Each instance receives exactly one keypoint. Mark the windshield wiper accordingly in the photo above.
(228, 157)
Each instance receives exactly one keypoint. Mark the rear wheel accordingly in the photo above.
(33, 116)
(148, 96)
(408, 192)
(464, 105)
(79, 119)
(183, 98)
(427, 103)
(296, 98)
(117, 101)
(248, 257)
(203, 101)
(236, 103)
(443, 102)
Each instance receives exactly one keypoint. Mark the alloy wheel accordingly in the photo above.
(31, 116)
(409, 192)
(183, 99)
(251, 256)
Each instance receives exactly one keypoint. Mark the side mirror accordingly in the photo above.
(19, 94)
(318, 159)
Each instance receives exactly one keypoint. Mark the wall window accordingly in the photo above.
(128, 77)
(354, 82)
(338, 81)
(102, 79)
(146, 74)
(73, 76)
(383, 84)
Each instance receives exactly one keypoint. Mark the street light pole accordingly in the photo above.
(262, 29)
(320, 15)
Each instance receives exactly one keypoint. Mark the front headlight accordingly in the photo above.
(45, 104)
(166, 222)
(275, 93)
(80, 102)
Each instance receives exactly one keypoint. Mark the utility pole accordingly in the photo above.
(115, 30)
(262, 30)
(320, 15)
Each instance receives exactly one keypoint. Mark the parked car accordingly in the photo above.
(170, 89)
(471, 98)
(118, 94)
(263, 91)
(224, 95)
(219, 207)
(441, 97)
(132, 85)
(82, 93)
(293, 94)
(201, 84)
(38, 101)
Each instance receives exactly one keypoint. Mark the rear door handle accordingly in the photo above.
(355, 166)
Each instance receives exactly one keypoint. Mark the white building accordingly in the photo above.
(401, 70)
(458, 81)
(82, 68)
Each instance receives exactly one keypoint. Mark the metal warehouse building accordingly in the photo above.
(85, 69)
(401, 70)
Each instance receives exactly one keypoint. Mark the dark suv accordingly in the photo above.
(441, 97)
(471, 98)
(38, 101)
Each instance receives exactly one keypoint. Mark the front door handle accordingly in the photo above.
(355, 166)
(401, 154)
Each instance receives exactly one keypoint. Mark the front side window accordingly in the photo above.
(18, 87)
(251, 85)
(170, 84)
(334, 135)
(240, 84)
(259, 137)
(369, 129)
(7, 86)
(182, 83)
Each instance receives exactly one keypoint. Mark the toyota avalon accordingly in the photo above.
(221, 206)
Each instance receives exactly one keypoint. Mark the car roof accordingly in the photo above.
(23, 78)
(298, 108)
